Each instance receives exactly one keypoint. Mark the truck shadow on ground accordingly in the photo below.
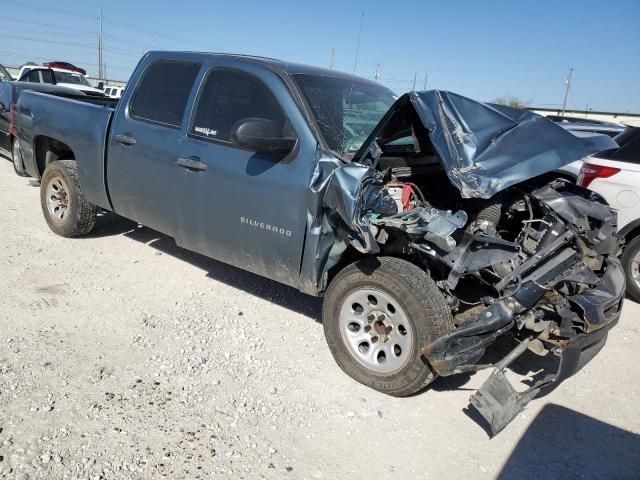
(108, 224)
(530, 366)
(561, 443)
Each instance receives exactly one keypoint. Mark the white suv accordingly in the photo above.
(615, 175)
(58, 76)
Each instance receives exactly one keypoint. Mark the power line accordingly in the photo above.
(54, 10)
(31, 39)
(137, 28)
(71, 35)
(53, 25)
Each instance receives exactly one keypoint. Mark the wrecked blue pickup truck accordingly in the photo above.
(427, 221)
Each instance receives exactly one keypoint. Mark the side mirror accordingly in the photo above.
(261, 135)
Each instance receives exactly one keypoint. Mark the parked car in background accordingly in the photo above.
(9, 94)
(615, 175)
(425, 251)
(65, 66)
(57, 76)
(5, 76)
(587, 125)
(604, 142)
(114, 92)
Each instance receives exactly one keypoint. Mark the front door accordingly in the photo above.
(145, 142)
(244, 208)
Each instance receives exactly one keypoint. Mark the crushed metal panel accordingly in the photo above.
(486, 148)
(341, 195)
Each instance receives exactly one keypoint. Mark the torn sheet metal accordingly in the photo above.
(342, 197)
(352, 192)
(486, 148)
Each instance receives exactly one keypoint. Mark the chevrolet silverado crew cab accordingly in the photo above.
(426, 221)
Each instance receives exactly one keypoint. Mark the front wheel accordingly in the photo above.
(16, 158)
(378, 313)
(65, 209)
(631, 265)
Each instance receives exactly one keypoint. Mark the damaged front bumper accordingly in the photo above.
(496, 400)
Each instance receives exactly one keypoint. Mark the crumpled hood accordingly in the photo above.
(486, 148)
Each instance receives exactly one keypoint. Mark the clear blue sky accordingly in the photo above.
(479, 49)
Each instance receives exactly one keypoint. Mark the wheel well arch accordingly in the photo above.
(49, 149)
(630, 231)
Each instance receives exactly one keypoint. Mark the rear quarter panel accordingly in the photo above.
(80, 125)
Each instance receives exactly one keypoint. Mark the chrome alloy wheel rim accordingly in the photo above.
(376, 330)
(57, 198)
(635, 269)
(17, 155)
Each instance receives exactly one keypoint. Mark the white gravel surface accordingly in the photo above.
(125, 357)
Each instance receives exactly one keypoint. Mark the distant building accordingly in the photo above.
(618, 117)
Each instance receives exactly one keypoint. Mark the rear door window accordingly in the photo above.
(629, 147)
(163, 92)
(228, 96)
(630, 151)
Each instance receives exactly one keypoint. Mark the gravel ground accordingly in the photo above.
(123, 356)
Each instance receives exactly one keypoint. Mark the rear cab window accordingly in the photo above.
(629, 147)
(229, 96)
(163, 92)
(5, 95)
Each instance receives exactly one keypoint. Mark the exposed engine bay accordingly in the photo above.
(482, 252)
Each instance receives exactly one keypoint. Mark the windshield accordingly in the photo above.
(346, 110)
(69, 77)
(4, 74)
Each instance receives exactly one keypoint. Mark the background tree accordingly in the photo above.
(513, 102)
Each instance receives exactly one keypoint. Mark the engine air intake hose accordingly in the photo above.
(489, 215)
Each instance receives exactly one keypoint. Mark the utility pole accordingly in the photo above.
(100, 48)
(376, 74)
(426, 77)
(415, 77)
(566, 92)
(355, 62)
(333, 57)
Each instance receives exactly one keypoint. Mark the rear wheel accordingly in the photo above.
(65, 209)
(16, 158)
(631, 265)
(377, 315)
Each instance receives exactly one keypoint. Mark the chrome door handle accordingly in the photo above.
(125, 139)
(192, 163)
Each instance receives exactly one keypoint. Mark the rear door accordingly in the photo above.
(244, 208)
(145, 142)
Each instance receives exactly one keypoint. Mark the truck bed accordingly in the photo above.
(81, 120)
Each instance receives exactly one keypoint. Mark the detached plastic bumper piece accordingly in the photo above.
(499, 403)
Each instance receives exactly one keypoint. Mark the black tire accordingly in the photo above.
(16, 159)
(631, 250)
(79, 216)
(418, 296)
